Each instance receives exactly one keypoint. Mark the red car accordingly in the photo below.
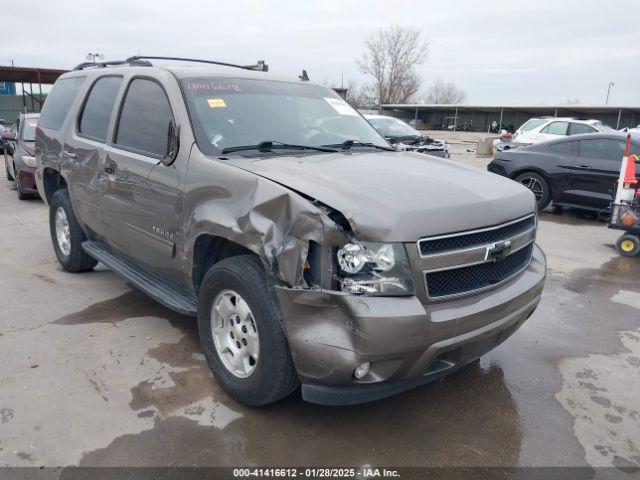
(19, 155)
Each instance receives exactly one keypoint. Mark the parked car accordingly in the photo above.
(19, 155)
(578, 171)
(2, 129)
(550, 128)
(405, 137)
(633, 130)
(310, 250)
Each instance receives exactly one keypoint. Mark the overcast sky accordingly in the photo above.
(502, 52)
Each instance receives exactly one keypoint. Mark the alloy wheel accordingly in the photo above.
(534, 185)
(235, 334)
(63, 232)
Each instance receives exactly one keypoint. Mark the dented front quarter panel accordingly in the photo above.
(261, 215)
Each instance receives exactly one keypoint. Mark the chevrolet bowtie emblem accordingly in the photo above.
(498, 251)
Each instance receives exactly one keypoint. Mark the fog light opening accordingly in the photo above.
(362, 370)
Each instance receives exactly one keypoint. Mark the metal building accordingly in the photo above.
(479, 117)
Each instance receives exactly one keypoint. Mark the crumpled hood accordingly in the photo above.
(398, 196)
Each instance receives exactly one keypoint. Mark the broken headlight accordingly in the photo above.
(370, 268)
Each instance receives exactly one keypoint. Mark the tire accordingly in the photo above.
(538, 186)
(6, 167)
(71, 256)
(273, 375)
(21, 194)
(628, 245)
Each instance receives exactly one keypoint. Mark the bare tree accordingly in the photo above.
(391, 56)
(442, 92)
(574, 101)
(358, 96)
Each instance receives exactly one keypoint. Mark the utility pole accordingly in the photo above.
(611, 84)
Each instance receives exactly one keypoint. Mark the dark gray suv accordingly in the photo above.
(311, 251)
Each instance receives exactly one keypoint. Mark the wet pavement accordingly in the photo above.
(95, 373)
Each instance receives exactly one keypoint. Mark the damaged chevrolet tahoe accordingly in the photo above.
(311, 251)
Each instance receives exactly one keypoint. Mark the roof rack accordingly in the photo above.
(142, 61)
(110, 63)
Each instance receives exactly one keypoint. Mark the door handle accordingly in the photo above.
(68, 154)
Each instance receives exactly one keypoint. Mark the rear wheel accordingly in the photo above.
(538, 186)
(21, 195)
(66, 234)
(10, 176)
(242, 334)
(628, 245)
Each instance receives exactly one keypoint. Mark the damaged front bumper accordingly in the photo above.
(407, 343)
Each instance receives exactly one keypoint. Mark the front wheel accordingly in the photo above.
(538, 186)
(241, 331)
(628, 245)
(66, 234)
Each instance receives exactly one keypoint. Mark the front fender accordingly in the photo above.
(262, 216)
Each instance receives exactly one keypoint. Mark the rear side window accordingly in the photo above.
(565, 148)
(556, 128)
(577, 128)
(96, 114)
(531, 124)
(145, 118)
(602, 148)
(59, 101)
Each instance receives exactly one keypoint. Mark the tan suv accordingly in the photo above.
(311, 251)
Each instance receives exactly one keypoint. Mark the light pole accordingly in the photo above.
(92, 57)
(611, 84)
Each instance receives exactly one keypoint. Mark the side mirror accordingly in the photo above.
(8, 136)
(173, 144)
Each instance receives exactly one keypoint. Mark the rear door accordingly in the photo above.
(52, 126)
(596, 168)
(142, 197)
(84, 149)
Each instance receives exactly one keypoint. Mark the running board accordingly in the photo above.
(153, 285)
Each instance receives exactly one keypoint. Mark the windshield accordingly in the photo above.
(392, 127)
(29, 129)
(230, 113)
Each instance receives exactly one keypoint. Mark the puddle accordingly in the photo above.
(133, 304)
(467, 419)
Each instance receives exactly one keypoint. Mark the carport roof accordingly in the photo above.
(29, 74)
(526, 108)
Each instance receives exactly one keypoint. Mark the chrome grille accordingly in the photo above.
(475, 277)
(467, 262)
(429, 246)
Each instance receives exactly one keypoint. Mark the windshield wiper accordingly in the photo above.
(349, 144)
(268, 146)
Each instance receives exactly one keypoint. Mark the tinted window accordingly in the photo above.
(145, 118)
(602, 148)
(577, 128)
(29, 129)
(97, 110)
(565, 148)
(531, 124)
(556, 128)
(59, 101)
